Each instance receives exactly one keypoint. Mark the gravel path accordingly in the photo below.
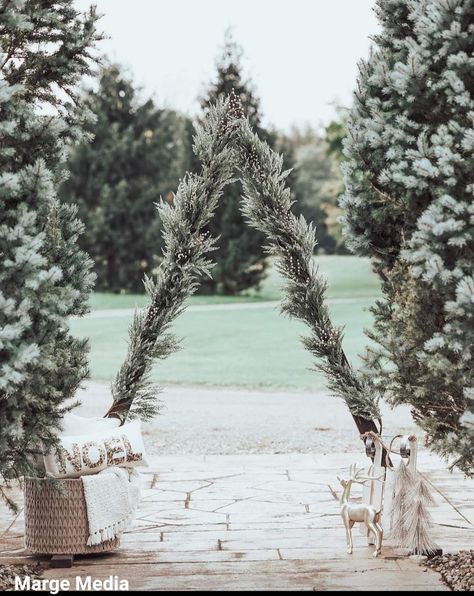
(198, 420)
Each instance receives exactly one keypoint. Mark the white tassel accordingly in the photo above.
(94, 539)
(417, 519)
(402, 484)
(110, 532)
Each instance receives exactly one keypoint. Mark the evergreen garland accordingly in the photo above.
(185, 259)
(267, 206)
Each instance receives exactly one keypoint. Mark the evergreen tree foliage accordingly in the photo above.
(136, 156)
(409, 203)
(44, 276)
(240, 259)
(185, 261)
(335, 133)
(314, 181)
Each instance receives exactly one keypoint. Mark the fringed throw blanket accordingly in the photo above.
(111, 498)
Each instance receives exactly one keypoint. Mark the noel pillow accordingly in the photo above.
(80, 455)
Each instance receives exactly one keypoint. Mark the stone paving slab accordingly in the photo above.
(258, 522)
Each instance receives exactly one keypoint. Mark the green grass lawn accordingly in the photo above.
(347, 277)
(252, 347)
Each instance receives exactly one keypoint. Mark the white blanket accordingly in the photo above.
(112, 498)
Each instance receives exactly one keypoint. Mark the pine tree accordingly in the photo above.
(136, 156)
(240, 259)
(310, 180)
(409, 202)
(44, 276)
(335, 133)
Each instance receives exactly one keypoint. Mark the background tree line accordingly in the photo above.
(135, 154)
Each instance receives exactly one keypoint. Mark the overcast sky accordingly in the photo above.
(301, 54)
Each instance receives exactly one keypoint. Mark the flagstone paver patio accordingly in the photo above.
(249, 522)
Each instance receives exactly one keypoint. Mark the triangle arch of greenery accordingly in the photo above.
(225, 142)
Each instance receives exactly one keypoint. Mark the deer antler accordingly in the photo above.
(361, 478)
(357, 476)
(353, 472)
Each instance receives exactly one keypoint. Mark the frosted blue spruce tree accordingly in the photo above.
(409, 206)
(44, 276)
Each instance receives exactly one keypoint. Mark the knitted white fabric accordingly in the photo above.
(111, 498)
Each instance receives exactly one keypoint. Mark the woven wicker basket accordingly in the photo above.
(56, 520)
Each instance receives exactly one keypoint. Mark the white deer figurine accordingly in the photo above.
(359, 512)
